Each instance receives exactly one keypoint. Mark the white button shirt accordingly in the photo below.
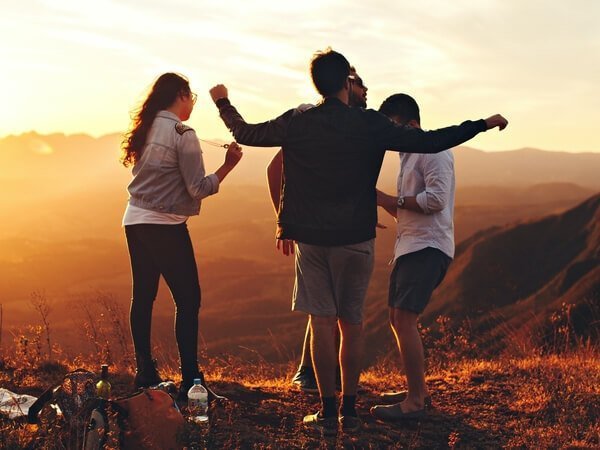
(429, 178)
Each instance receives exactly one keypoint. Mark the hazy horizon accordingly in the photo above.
(221, 139)
(74, 66)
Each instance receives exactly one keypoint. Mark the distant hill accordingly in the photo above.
(522, 274)
(77, 158)
(64, 198)
(516, 168)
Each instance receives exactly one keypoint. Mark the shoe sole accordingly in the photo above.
(305, 389)
(416, 415)
(397, 398)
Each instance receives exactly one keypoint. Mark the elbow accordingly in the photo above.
(431, 202)
(207, 187)
(434, 207)
(436, 203)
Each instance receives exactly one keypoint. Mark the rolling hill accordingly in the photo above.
(64, 197)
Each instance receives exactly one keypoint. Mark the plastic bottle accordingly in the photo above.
(103, 386)
(198, 402)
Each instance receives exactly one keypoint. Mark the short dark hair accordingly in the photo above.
(329, 71)
(403, 106)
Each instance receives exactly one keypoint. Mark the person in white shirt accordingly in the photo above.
(424, 248)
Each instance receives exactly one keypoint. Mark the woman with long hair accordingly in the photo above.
(169, 182)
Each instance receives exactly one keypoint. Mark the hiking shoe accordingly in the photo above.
(305, 380)
(394, 412)
(350, 424)
(327, 426)
(400, 396)
(147, 375)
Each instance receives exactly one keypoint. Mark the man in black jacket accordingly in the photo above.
(305, 378)
(332, 155)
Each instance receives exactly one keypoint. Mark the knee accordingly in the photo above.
(350, 329)
(142, 300)
(189, 305)
(322, 324)
(403, 320)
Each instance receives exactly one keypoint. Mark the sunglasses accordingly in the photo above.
(356, 80)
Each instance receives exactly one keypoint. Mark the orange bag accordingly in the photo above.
(149, 420)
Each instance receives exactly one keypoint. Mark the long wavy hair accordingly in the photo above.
(163, 94)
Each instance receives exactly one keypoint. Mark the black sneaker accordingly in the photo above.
(305, 380)
(327, 426)
(147, 375)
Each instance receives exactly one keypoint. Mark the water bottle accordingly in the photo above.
(198, 402)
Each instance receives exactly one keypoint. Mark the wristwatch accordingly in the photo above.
(400, 202)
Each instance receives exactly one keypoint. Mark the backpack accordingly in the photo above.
(149, 419)
(74, 395)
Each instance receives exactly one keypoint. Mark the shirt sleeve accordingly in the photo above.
(390, 136)
(191, 165)
(438, 173)
(266, 134)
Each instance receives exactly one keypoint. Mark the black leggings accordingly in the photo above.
(165, 250)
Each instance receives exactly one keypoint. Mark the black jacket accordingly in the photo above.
(332, 155)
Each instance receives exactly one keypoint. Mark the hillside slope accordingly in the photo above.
(526, 272)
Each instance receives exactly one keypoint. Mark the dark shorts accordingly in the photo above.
(333, 281)
(415, 276)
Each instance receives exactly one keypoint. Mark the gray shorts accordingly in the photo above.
(415, 276)
(333, 281)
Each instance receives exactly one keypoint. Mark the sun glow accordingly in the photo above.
(75, 66)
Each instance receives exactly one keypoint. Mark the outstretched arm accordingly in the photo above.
(265, 134)
(390, 136)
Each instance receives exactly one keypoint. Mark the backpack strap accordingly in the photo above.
(47, 395)
(34, 410)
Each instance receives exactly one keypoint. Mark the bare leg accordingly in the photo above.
(404, 325)
(306, 361)
(324, 353)
(350, 355)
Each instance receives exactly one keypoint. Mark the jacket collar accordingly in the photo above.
(168, 115)
(332, 101)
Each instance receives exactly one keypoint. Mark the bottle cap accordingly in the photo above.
(197, 381)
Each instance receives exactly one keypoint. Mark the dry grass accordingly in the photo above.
(546, 398)
(536, 402)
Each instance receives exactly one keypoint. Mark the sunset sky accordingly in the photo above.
(80, 66)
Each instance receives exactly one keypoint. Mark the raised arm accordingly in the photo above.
(265, 134)
(191, 165)
(390, 136)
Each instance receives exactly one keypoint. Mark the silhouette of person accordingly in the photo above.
(169, 182)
